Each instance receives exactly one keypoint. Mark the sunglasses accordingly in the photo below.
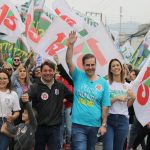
(16, 59)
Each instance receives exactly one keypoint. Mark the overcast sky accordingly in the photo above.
(132, 10)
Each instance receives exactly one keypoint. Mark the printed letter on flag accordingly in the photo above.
(141, 87)
(10, 21)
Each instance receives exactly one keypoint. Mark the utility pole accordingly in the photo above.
(100, 15)
(120, 23)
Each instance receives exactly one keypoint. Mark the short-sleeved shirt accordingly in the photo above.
(89, 97)
(9, 102)
(118, 89)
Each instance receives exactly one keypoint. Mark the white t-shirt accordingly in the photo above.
(118, 89)
(9, 101)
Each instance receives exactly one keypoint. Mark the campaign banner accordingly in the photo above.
(63, 10)
(19, 48)
(141, 88)
(36, 23)
(38, 11)
(96, 40)
(55, 39)
(10, 21)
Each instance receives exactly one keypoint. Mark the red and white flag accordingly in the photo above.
(141, 88)
(54, 39)
(10, 21)
(91, 39)
(64, 11)
(32, 33)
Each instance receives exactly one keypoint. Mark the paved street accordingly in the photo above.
(98, 146)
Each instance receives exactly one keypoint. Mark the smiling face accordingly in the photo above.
(37, 72)
(116, 68)
(47, 73)
(16, 61)
(3, 81)
(22, 74)
(89, 67)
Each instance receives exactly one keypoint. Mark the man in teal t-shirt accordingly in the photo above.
(91, 100)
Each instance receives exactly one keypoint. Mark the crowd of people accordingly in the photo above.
(41, 106)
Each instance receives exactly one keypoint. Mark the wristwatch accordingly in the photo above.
(104, 125)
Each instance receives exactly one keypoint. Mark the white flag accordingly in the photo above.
(141, 88)
(53, 39)
(63, 10)
(10, 21)
(33, 15)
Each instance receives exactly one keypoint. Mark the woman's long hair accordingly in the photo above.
(27, 79)
(110, 74)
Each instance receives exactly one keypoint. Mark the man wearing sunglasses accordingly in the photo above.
(16, 62)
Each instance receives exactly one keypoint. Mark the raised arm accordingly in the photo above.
(30, 62)
(69, 54)
(32, 119)
(62, 70)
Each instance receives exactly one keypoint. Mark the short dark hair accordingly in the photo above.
(87, 56)
(136, 71)
(16, 56)
(34, 70)
(48, 63)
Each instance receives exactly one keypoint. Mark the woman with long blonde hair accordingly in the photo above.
(20, 84)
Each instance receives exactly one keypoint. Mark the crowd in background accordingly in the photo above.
(37, 102)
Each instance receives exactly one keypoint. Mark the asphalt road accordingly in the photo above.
(98, 146)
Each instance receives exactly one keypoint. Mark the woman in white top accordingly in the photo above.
(121, 97)
(9, 106)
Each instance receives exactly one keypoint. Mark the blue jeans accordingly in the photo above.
(117, 130)
(68, 122)
(83, 137)
(4, 140)
(62, 129)
(47, 135)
